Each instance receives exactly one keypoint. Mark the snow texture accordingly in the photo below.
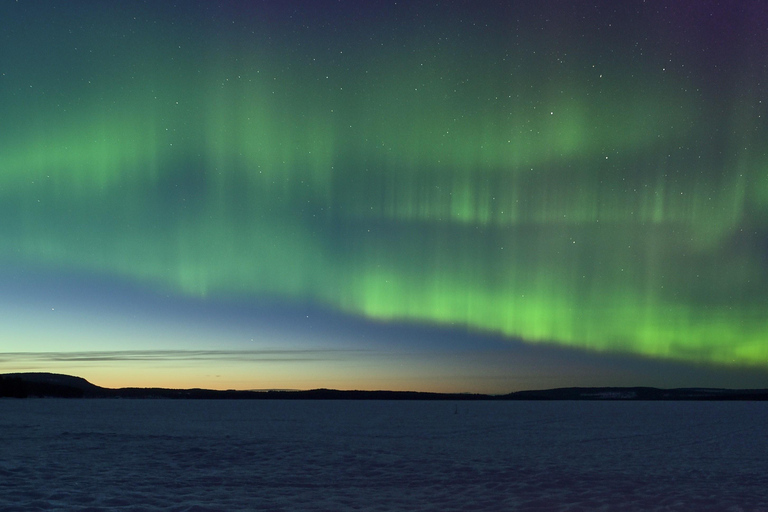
(380, 455)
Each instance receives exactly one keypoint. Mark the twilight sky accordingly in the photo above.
(442, 196)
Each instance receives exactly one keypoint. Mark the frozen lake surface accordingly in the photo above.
(380, 455)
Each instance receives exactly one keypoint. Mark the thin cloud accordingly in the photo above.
(181, 355)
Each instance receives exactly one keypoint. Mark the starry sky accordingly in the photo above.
(478, 196)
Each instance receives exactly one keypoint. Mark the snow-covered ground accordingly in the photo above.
(379, 456)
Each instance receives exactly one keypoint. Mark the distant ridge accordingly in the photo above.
(639, 393)
(53, 385)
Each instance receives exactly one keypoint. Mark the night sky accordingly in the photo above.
(441, 196)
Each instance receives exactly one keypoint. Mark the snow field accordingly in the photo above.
(135, 455)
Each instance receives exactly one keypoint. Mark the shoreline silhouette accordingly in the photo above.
(53, 385)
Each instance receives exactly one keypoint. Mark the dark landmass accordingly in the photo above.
(23, 385)
(52, 385)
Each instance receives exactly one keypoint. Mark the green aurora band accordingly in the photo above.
(606, 208)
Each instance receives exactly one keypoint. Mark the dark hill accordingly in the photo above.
(22, 385)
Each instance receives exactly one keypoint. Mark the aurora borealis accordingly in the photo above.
(422, 191)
